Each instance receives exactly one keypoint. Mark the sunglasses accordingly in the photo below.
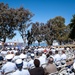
(68, 60)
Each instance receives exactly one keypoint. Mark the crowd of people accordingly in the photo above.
(37, 61)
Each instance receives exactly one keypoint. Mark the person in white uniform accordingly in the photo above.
(16, 56)
(42, 59)
(9, 66)
(57, 56)
(31, 62)
(74, 66)
(25, 63)
(63, 56)
(20, 70)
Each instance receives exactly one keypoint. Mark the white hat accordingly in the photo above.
(67, 48)
(23, 48)
(43, 55)
(18, 61)
(9, 56)
(8, 48)
(22, 56)
(74, 65)
(12, 48)
(32, 54)
(16, 47)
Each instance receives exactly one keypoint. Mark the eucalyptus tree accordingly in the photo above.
(72, 28)
(13, 19)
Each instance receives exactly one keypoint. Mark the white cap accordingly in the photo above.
(74, 65)
(9, 56)
(67, 48)
(23, 48)
(12, 48)
(8, 48)
(18, 61)
(32, 54)
(22, 56)
(16, 47)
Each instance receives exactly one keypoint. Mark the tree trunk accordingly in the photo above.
(4, 39)
(60, 42)
(24, 39)
(38, 43)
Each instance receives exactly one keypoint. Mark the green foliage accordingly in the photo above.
(19, 19)
(58, 29)
(7, 22)
(13, 19)
(72, 28)
(29, 38)
(37, 32)
(25, 18)
(54, 29)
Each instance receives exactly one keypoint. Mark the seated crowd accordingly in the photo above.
(37, 61)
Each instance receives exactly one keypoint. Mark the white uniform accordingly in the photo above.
(74, 65)
(31, 63)
(63, 56)
(15, 51)
(3, 53)
(15, 58)
(8, 67)
(22, 72)
(42, 59)
(57, 57)
(25, 64)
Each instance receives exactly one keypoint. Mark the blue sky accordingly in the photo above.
(44, 10)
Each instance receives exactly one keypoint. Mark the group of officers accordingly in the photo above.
(37, 61)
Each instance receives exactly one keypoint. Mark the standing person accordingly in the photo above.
(20, 70)
(37, 70)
